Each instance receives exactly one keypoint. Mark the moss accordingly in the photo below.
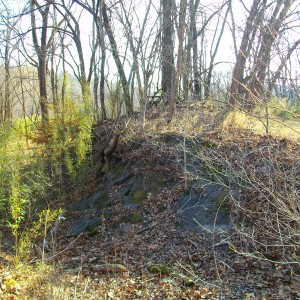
(231, 250)
(146, 185)
(179, 224)
(139, 197)
(213, 171)
(172, 180)
(103, 200)
(105, 197)
(133, 218)
(94, 231)
(171, 138)
(187, 192)
(118, 169)
(158, 268)
(156, 182)
(161, 207)
(187, 280)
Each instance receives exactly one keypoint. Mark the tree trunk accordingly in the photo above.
(238, 70)
(167, 50)
(186, 72)
(41, 51)
(182, 15)
(115, 53)
(42, 74)
(54, 79)
(196, 72)
(102, 74)
(7, 97)
(270, 33)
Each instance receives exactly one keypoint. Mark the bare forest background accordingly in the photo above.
(229, 51)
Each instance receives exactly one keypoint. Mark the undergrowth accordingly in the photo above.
(263, 174)
(37, 162)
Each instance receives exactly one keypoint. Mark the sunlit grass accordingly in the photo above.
(289, 129)
(43, 281)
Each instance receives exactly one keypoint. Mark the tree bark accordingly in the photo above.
(167, 50)
(238, 71)
(7, 97)
(41, 51)
(102, 74)
(196, 72)
(182, 15)
(270, 33)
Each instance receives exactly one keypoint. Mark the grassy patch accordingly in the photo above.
(257, 122)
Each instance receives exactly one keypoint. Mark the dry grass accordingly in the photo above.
(289, 129)
(55, 283)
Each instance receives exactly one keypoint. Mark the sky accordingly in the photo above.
(226, 53)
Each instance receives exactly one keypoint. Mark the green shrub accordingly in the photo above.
(66, 138)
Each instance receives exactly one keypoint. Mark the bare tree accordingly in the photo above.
(114, 48)
(246, 44)
(9, 43)
(116, 56)
(126, 12)
(7, 105)
(263, 27)
(283, 63)
(98, 41)
(137, 52)
(167, 49)
(182, 28)
(197, 66)
(270, 33)
(41, 51)
(214, 49)
(42, 47)
(82, 73)
(102, 68)
(194, 46)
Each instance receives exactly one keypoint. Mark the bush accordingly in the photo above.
(66, 138)
(23, 183)
(26, 185)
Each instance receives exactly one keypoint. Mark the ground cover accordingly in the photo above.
(152, 257)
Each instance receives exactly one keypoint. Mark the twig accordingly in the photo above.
(193, 243)
(148, 227)
(221, 243)
(58, 253)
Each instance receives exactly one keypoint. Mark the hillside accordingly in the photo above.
(176, 215)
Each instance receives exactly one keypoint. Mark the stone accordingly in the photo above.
(85, 224)
(204, 211)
